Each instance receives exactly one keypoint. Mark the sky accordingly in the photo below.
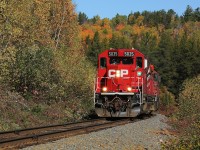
(109, 8)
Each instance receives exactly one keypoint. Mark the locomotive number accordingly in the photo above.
(112, 73)
(129, 54)
(112, 54)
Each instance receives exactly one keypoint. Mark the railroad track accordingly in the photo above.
(25, 137)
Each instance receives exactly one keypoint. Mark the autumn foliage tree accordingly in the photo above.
(41, 52)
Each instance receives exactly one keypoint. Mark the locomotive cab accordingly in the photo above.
(120, 83)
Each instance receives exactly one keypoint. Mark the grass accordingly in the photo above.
(17, 112)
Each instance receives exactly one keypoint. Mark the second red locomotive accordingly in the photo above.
(126, 84)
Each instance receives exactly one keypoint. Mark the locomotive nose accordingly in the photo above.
(119, 78)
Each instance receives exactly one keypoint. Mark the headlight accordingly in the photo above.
(104, 89)
(139, 73)
(118, 74)
(129, 89)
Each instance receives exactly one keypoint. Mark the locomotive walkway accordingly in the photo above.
(31, 136)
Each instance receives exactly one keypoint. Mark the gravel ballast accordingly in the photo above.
(144, 134)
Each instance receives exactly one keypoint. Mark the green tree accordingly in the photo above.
(187, 57)
(82, 18)
(118, 41)
(119, 19)
(131, 19)
(197, 14)
(188, 14)
(170, 18)
(95, 19)
(162, 58)
(146, 42)
(105, 44)
(94, 49)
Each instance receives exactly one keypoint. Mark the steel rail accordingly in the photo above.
(32, 139)
(43, 127)
(36, 130)
(37, 138)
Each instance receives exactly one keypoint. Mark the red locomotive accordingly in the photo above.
(126, 84)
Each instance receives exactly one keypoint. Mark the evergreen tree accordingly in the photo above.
(187, 57)
(162, 58)
(105, 44)
(116, 42)
(119, 19)
(95, 19)
(82, 18)
(170, 16)
(131, 19)
(197, 14)
(94, 49)
(148, 42)
(137, 14)
(188, 14)
(120, 42)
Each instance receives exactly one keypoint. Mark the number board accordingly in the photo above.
(112, 54)
(129, 54)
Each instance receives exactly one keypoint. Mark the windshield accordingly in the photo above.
(123, 60)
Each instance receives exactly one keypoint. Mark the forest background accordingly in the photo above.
(48, 56)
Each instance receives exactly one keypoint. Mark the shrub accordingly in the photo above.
(189, 99)
(167, 102)
(188, 117)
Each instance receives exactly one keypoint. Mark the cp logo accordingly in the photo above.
(117, 73)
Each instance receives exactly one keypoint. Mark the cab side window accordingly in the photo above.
(103, 62)
(139, 62)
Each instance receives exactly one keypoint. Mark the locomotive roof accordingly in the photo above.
(120, 50)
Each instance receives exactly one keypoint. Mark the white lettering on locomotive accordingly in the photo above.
(112, 73)
(112, 54)
(130, 54)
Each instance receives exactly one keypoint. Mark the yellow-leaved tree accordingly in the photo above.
(40, 50)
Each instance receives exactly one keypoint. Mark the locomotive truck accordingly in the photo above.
(126, 84)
